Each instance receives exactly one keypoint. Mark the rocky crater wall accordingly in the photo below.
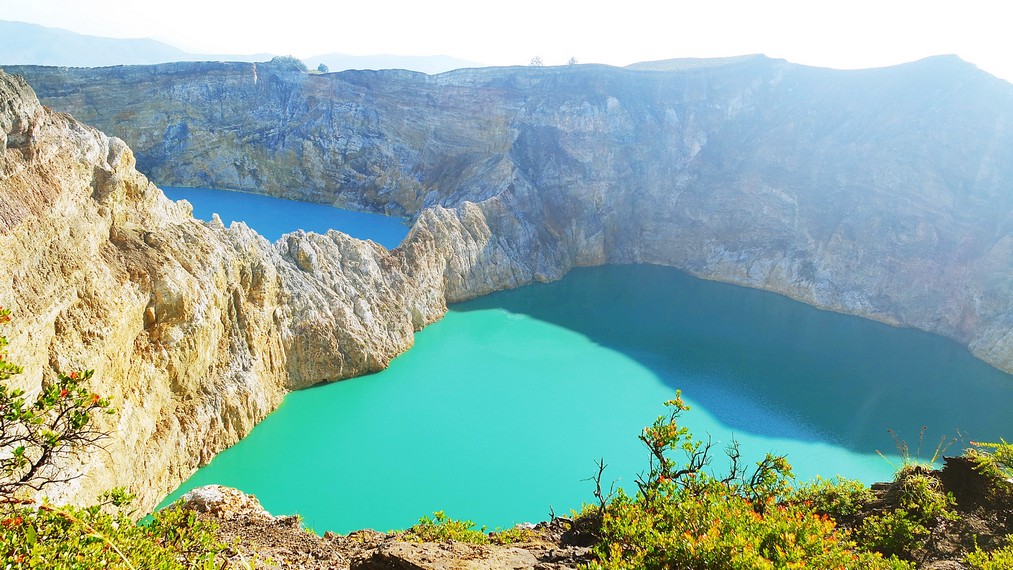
(196, 330)
(885, 193)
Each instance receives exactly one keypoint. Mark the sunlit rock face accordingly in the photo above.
(195, 330)
(884, 193)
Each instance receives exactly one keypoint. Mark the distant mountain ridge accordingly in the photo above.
(32, 44)
(431, 64)
(686, 63)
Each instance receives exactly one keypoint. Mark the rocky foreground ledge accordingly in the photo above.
(281, 541)
(984, 518)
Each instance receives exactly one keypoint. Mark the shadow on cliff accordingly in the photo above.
(769, 366)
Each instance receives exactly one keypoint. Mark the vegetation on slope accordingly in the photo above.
(35, 438)
(686, 516)
(34, 535)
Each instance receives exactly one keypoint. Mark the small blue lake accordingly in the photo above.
(500, 410)
(272, 217)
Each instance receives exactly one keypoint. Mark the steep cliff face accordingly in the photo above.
(103, 273)
(195, 330)
(884, 193)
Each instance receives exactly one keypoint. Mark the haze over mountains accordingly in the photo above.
(31, 44)
(431, 64)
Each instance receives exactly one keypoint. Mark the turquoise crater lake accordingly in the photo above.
(501, 409)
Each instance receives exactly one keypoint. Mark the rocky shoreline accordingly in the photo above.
(195, 330)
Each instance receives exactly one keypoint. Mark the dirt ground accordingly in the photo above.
(265, 542)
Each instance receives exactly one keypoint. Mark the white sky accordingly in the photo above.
(857, 33)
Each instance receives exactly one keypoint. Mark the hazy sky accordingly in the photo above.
(857, 33)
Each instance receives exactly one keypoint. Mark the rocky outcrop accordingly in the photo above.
(194, 329)
(260, 537)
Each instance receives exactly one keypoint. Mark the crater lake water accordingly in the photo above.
(501, 409)
(272, 217)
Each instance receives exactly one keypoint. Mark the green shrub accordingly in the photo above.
(769, 479)
(288, 63)
(994, 459)
(44, 536)
(36, 436)
(893, 533)
(840, 499)
(921, 495)
(512, 535)
(1001, 559)
(686, 517)
(995, 462)
(718, 531)
(441, 528)
(919, 506)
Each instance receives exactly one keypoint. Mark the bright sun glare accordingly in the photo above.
(854, 34)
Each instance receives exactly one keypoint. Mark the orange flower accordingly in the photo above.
(63, 393)
(73, 375)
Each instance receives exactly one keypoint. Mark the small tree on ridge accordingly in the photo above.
(36, 436)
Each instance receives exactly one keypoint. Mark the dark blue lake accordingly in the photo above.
(272, 217)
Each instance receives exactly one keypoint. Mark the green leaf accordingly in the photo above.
(30, 536)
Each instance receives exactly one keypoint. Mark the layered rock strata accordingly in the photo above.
(884, 193)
